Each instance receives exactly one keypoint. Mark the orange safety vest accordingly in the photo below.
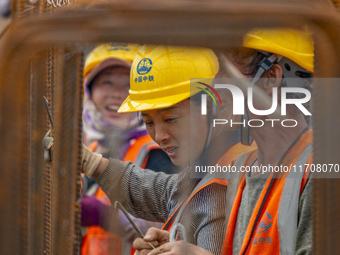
(231, 155)
(97, 241)
(271, 229)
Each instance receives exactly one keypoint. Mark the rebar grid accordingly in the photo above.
(214, 25)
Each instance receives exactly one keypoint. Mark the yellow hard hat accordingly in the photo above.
(295, 45)
(161, 76)
(119, 51)
(104, 56)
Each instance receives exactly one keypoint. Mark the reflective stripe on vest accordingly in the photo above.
(231, 155)
(289, 204)
(176, 216)
(273, 225)
(139, 150)
(93, 146)
(206, 181)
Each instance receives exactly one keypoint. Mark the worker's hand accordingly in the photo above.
(47, 143)
(179, 248)
(90, 160)
(155, 236)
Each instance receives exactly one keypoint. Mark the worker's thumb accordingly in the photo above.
(47, 143)
(155, 234)
(90, 161)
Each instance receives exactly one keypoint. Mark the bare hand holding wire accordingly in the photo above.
(155, 236)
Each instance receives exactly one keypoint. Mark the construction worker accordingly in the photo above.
(268, 212)
(121, 136)
(171, 109)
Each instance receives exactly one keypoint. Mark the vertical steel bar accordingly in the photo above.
(65, 169)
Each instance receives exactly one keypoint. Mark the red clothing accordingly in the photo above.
(97, 241)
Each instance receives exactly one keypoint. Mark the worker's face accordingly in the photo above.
(110, 88)
(173, 127)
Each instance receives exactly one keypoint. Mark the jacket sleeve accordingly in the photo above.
(144, 193)
(305, 222)
(208, 218)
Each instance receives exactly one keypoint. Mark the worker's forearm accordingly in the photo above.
(144, 192)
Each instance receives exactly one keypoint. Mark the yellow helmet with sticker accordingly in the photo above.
(162, 76)
(125, 53)
(105, 56)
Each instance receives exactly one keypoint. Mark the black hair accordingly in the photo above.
(246, 60)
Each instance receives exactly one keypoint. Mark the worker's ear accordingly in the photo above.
(273, 78)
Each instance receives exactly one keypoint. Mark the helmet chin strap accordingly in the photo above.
(209, 137)
(264, 66)
(210, 131)
(246, 139)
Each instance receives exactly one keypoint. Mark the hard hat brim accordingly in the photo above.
(111, 62)
(151, 104)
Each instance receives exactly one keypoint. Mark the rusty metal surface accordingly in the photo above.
(4, 23)
(213, 24)
(49, 84)
(65, 170)
(32, 223)
(44, 199)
